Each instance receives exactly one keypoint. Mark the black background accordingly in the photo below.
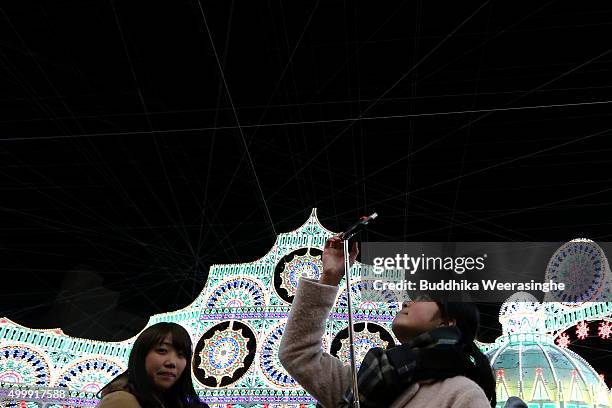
(124, 174)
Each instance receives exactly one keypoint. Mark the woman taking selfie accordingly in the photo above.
(437, 364)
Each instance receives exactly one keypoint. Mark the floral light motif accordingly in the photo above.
(236, 293)
(366, 296)
(269, 362)
(582, 330)
(563, 340)
(19, 364)
(604, 330)
(89, 375)
(579, 264)
(223, 354)
(306, 266)
(364, 341)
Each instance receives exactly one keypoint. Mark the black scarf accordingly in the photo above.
(385, 374)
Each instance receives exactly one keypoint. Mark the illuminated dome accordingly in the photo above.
(528, 364)
(539, 371)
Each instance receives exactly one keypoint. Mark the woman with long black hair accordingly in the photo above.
(158, 375)
(437, 364)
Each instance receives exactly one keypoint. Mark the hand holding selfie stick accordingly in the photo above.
(346, 235)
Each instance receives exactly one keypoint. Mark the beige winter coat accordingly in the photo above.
(326, 378)
(119, 399)
(116, 395)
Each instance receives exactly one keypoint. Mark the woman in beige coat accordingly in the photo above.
(431, 379)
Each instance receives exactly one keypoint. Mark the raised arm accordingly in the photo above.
(319, 373)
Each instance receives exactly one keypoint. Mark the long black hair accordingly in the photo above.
(467, 318)
(135, 379)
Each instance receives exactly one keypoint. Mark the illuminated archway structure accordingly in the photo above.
(238, 319)
(235, 323)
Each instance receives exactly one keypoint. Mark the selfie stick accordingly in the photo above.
(346, 235)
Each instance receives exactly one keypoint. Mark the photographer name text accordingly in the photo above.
(465, 285)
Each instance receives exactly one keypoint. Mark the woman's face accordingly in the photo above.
(164, 364)
(416, 318)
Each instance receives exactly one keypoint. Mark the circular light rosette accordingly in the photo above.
(307, 266)
(581, 265)
(223, 354)
(364, 341)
